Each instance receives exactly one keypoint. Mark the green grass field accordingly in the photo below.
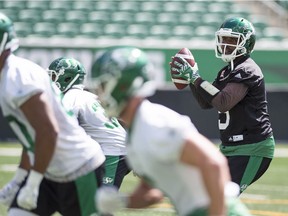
(267, 197)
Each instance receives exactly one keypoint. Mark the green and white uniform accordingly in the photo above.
(76, 154)
(107, 132)
(155, 143)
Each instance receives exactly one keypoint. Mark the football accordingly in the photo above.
(185, 53)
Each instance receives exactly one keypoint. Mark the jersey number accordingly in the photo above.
(113, 123)
(223, 120)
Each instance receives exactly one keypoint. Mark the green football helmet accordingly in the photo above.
(8, 38)
(66, 72)
(120, 73)
(242, 32)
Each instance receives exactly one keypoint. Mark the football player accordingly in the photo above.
(163, 147)
(69, 74)
(65, 164)
(238, 94)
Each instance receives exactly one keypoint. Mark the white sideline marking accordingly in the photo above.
(10, 151)
(8, 167)
(281, 152)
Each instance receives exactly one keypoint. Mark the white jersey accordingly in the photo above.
(91, 116)
(155, 143)
(20, 80)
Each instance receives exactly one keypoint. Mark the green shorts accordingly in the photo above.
(116, 169)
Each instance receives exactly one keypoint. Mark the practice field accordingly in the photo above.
(266, 197)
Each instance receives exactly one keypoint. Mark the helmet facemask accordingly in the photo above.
(223, 49)
(121, 73)
(235, 37)
(103, 86)
(114, 91)
(54, 76)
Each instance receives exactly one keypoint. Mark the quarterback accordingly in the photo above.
(163, 147)
(69, 74)
(65, 164)
(238, 94)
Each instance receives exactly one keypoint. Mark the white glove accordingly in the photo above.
(28, 195)
(109, 200)
(9, 191)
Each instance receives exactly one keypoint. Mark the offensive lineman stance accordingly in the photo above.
(65, 164)
(69, 74)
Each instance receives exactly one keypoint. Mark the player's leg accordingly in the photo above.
(77, 197)
(256, 167)
(116, 169)
(245, 170)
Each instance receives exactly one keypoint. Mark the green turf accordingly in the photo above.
(266, 197)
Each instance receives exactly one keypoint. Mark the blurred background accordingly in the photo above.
(81, 29)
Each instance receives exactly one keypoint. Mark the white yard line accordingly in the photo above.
(281, 152)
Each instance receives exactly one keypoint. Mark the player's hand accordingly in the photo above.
(185, 70)
(109, 200)
(28, 195)
(9, 191)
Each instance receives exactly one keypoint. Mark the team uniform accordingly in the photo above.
(75, 171)
(107, 132)
(245, 130)
(155, 143)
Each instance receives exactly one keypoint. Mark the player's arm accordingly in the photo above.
(24, 162)
(206, 93)
(109, 199)
(40, 115)
(225, 99)
(143, 196)
(201, 101)
(200, 152)
(228, 97)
